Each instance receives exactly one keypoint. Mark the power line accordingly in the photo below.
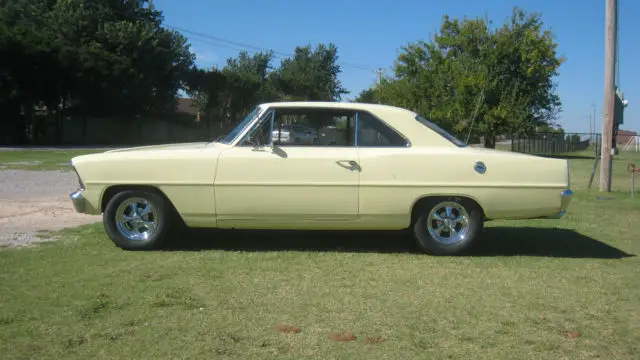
(239, 46)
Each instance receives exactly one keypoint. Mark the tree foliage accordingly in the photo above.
(114, 58)
(108, 57)
(310, 74)
(472, 78)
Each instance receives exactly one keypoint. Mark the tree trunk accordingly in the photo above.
(28, 123)
(489, 141)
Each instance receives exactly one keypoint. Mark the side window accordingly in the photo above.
(374, 133)
(259, 135)
(313, 127)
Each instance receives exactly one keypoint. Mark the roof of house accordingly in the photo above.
(627, 132)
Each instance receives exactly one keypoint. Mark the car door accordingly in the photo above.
(267, 184)
(385, 194)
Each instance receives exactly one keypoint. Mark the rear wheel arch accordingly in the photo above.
(422, 202)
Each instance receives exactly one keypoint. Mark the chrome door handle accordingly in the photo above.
(351, 165)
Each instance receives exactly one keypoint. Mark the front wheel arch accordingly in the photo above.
(111, 191)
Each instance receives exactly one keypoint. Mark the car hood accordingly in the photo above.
(181, 146)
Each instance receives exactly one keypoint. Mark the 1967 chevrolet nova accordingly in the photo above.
(367, 167)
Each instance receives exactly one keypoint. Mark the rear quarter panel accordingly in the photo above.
(513, 186)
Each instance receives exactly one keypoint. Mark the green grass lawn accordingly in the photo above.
(544, 289)
(40, 159)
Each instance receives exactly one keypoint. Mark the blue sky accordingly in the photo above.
(369, 35)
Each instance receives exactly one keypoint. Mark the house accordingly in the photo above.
(187, 106)
(624, 137)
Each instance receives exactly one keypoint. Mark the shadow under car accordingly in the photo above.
(495, 241)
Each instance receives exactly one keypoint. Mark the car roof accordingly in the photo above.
(401, 119)
(337, 105)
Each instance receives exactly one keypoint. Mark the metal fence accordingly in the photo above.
(556, 143)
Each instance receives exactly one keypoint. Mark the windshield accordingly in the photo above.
(228, 139)
(439, 130)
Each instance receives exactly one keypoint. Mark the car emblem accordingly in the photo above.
(480, 168)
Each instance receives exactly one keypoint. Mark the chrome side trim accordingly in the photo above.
(271, 120)
(356, 126)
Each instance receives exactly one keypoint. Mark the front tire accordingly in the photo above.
(448, 226)
(137, 219)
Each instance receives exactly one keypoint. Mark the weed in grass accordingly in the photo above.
(8, 319)
(374, 339)
(153, 276)
(287, 328)
(178, 297)
(75, 342)
(98, 306)
(115, 335)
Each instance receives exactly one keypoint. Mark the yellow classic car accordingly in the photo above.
(357, 167)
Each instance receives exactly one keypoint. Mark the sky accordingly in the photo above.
(369, 35)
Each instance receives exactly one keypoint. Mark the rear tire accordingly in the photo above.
(137, 219)
(447, 226)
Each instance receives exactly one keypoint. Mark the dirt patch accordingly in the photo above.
(573, 334)
(342, 337)
(22, 221)
(34, 203)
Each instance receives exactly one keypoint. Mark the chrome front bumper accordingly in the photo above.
(78, 201)
(565, 200)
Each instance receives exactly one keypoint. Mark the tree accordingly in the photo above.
(367, 96)
(470, 78)
(108, 57)
(309, 75)
(125, 62)
(247, 80)
(246, 83)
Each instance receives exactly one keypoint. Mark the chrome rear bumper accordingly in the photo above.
(565, 200)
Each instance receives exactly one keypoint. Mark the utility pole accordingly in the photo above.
(379, 72)
(609, 94)
(594, 117)
(591, 129)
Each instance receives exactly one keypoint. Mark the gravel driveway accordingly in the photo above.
(35, 201)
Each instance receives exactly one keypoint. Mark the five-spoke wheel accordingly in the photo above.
(447, 226)
(137, 219)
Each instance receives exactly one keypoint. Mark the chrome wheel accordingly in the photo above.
(448, 223)
(137, 219)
